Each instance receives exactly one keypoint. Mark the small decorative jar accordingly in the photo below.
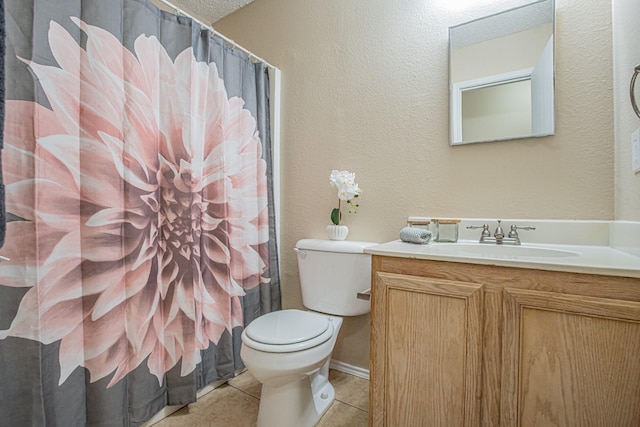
(418, 222)
(446, 230)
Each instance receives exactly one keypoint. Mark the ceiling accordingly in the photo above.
(207, 11)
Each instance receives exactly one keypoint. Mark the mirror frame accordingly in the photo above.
(456, 89)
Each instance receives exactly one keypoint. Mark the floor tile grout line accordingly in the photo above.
(353, 406)
(245, 392)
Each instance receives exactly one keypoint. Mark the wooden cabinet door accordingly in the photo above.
(570, 360)
(426, 352)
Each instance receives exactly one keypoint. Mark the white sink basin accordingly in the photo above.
(501, 251)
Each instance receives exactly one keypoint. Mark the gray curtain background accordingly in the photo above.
(3, 214)
(30, 393)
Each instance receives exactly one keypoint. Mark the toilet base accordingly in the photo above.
(305, 400)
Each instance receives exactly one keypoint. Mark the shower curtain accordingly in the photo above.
(141, 237)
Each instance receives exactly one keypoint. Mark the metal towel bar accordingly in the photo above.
(632, 90)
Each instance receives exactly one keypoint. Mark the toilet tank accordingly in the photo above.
(332, 273)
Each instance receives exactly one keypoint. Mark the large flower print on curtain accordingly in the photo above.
(139, 191)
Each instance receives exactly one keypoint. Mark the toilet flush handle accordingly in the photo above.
(365, 295)
(300, 253)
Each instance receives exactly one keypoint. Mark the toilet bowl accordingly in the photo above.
(289, 351)
(294, 376)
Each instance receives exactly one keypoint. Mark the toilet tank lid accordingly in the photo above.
(346, 246)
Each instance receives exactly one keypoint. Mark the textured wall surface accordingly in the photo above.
(626, 48)
(206, 11)
(364, 88)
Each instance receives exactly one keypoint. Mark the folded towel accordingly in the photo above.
(415, 235)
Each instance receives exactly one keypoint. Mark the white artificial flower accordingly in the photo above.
(345, 182)
(346, 193)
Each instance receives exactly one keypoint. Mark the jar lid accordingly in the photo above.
(421, 222)
(445, 221)
(418, 220)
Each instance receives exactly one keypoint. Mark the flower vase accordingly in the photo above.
(337, 232)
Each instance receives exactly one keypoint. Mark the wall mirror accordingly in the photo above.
(501, 75)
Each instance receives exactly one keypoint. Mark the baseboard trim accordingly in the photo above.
(349, 369)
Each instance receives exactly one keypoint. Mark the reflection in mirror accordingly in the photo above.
(501, 75)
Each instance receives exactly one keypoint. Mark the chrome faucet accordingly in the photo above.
(498, 235)
(513, 233)
(486, 234)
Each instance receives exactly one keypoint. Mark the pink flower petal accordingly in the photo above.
(145, 220)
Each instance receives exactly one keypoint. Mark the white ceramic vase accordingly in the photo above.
(337, 232)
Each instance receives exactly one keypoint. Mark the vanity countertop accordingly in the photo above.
(602, 260)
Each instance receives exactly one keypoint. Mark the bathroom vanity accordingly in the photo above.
(464, 339)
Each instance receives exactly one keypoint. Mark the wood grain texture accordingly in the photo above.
(492, 356)
(496, 278)
(570, 360)
(582, 319)
(433, 327)
(377, 364)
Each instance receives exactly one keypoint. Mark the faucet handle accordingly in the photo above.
(515, 228)
(485, 229)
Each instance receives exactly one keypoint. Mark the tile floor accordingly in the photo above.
(235, 404)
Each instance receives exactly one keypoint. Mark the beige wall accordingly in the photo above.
(626, 48)
(364, 88)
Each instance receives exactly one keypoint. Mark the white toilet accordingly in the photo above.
(289, 351)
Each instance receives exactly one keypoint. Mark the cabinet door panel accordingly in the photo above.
(567, 360)
(427, 351)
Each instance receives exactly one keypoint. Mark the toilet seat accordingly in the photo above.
(287, 331)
